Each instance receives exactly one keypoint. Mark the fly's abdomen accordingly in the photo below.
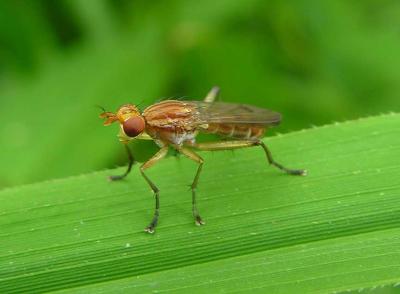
(237, 131)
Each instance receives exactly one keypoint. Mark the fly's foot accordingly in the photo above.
(297, 172)
(115, 178)
(199, 221)
(149, 229)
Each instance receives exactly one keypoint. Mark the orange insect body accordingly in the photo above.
(176, 123)
(171, 121)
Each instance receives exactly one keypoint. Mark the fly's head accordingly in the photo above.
(131, 121)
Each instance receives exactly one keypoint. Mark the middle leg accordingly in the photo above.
(193, 156)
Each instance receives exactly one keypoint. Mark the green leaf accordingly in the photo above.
(336, 229)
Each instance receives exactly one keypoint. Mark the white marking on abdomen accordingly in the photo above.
(249, 131)
(180, 138)
(232, 131)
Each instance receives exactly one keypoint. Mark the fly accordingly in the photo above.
(173, 123)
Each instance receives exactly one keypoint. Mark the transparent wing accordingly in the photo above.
(232, 113)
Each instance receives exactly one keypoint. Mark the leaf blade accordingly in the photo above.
(85, 231)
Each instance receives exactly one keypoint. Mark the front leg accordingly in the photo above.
(157, 157)
(124, 139)
(130, 164)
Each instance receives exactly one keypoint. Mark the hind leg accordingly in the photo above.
(229, 145)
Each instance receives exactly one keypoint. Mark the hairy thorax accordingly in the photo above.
(172, 122)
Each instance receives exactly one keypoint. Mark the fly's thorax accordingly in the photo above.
(172, 121)
(237, 131)
(172, 114)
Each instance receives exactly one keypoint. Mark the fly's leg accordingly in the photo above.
(130, 163)
(296, 172)
(212, 94)
(226, 145)
(158, 156)
(193, 156)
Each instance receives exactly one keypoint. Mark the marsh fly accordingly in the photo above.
(173, 123)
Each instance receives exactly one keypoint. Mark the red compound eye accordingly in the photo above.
(133, 126)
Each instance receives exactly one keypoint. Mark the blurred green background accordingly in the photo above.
(316, 62)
